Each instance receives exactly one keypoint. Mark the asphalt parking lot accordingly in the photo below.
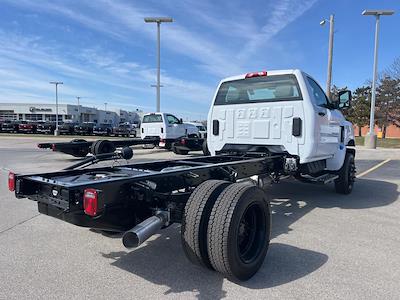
(324, 245)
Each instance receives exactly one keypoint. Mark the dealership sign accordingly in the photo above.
(36, 109)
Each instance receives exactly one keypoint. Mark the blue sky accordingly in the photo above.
(104, 52)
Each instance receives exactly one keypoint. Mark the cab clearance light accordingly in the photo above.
(256, 74)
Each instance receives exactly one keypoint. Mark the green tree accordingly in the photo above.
(359, 111)
(388, 103)
(335, 91)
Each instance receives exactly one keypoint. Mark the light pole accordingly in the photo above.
(330, 53)
(56, 83)
(79, 108)
(370, 138)
(105, 106)
(158, 20)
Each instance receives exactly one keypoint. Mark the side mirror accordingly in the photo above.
(180, 121)
(344, 99)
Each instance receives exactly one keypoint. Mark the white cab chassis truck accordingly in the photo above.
(262, 125)
(164, 126)
(284, 112)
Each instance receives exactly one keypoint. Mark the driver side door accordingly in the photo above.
(327, 130)
(175, 128)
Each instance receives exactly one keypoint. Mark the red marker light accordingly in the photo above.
(256, 74)
(90, 197)
(11, 181)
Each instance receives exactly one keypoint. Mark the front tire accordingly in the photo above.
(239, 231)
(347, 174)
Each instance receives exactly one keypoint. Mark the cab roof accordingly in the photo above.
(268, 72)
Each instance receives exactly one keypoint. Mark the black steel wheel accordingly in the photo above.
(239, 231)
(102, 146)
(195, 221)
(347, 175)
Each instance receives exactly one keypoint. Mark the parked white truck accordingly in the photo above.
(285, 112)
(167, 127)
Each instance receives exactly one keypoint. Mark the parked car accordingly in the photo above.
(46, 127)
(202, 129)
(10, 126)
(191, 130)
(84, 128)
(66, 127)
(134, 130)
(123, 129)
(27, 127)
(102, 129)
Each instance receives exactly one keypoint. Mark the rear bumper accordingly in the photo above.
(27, 130)
(64, 130)
(116, 220)
(7, 129)
(44, 130)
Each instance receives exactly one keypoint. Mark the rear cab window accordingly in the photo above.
(153, 118)
(259, 89)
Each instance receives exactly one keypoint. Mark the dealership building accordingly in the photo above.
(66, 112)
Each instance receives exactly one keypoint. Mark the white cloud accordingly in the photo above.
(217, 38)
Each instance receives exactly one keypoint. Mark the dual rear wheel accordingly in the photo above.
(226, 227)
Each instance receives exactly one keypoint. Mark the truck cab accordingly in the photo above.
(164, 126)
(282, 111)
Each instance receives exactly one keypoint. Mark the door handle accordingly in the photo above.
(321, 113)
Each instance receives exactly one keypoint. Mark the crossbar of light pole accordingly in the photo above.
(377, 12)
(158, 20)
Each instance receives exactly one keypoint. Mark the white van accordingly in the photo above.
(165, 126)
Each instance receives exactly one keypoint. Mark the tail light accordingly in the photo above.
(53, 147)
(90, 197)
(183, 141)
(11, 181)
(256, 74)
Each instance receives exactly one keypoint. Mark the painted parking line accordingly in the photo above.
(373, 168)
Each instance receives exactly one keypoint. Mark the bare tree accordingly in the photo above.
(394, 69)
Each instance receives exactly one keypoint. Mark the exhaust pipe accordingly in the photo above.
(141, 232)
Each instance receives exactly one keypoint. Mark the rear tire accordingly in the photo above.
(347, 174)
(239, 231)
(102, 146)
(195, 221)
